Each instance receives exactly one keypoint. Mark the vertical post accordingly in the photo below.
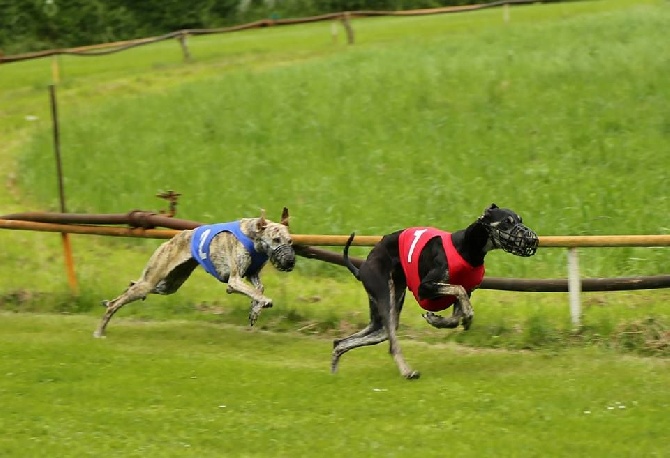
(348, 28)
(69, 263)
(55, 69)
(50, 10)
(506, 13)
(183, 36)
(333, 31)
(574, 287)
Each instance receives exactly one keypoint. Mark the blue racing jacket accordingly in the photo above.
(202, 238)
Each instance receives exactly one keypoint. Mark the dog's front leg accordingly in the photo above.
(236, 284)
(258, 284)
(256, 307)
(440, 322)
(462, 308)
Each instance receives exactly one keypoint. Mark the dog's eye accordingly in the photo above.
(276, 240)
(510, 220)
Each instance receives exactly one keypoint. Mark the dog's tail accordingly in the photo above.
(347, 262)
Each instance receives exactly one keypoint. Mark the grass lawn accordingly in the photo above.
(197, 389)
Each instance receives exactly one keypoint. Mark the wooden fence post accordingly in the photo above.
(55, 69)
(65, 237)
(183, 36)
(347, 26)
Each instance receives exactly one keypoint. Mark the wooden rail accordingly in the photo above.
(344, 16)
(305, 245)
(560, 241)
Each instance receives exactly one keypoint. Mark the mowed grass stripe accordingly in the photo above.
(169, 389)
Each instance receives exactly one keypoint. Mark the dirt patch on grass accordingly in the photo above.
(647, 336)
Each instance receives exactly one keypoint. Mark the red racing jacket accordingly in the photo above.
(411, 243)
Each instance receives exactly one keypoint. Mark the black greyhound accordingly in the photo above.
(439, 268)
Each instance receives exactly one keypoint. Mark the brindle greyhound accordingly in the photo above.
(228, 251)
(439, 268)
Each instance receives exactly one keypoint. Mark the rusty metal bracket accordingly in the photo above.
(172, 197)
(141, 219)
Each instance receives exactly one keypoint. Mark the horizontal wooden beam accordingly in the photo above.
(556, 241)
(303, 249)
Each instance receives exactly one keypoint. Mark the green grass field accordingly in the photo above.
(561, 114)
(185, 389)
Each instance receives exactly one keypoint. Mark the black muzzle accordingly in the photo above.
(283, 258)
(520, 240)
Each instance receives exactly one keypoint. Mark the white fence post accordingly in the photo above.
(574, 287)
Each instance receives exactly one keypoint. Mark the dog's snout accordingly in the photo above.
(519, 240)
(283, 258)
(290, 264)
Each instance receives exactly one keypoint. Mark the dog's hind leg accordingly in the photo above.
(376, 333)
(138, 290)
(391, 326)
(166, 271)
(381, 327)
(363, 332)
(375, 323)
(372, 334)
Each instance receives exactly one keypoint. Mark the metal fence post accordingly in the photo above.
(574, 287)
(67, 248)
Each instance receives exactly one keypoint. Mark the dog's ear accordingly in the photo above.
(261, 223)
(284, 217)
(488, 213)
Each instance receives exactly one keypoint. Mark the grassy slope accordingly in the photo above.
(568, 134)
(97, 90)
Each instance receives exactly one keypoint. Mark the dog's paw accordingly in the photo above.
(433, 319)
(467, 322)
(256, 308)
(440, 322)
(254, 312)
(412, 375)
(253, 317)
(429, 317)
